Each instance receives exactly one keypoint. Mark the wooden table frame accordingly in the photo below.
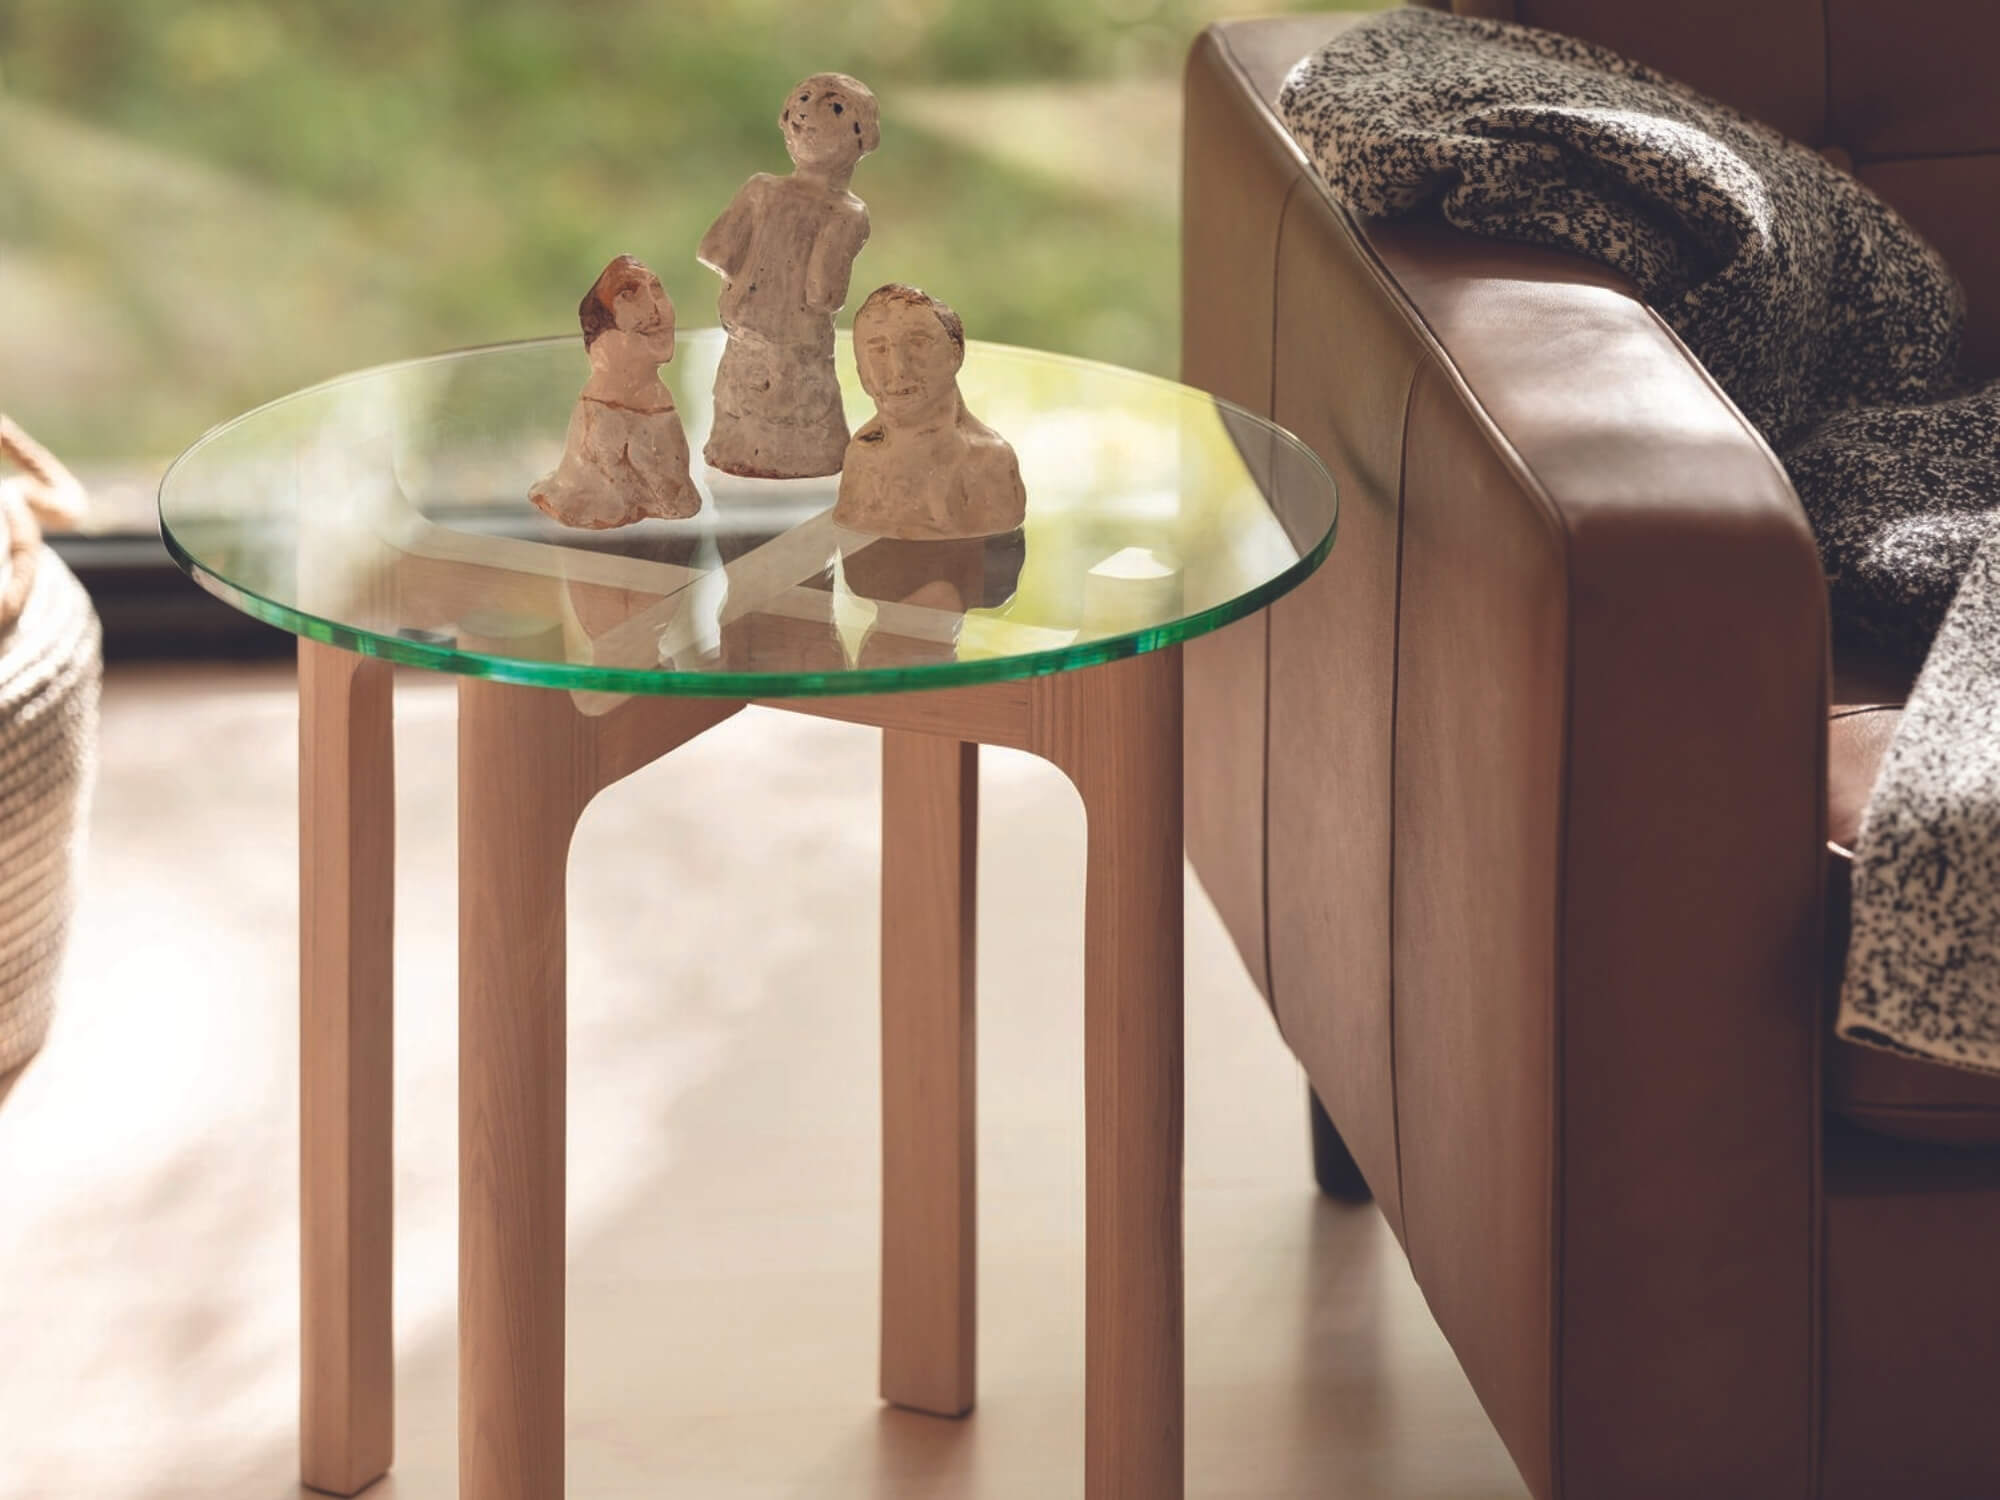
(529, 761)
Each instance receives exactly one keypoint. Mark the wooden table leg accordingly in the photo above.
(930, 846)
(520, 791)
(346, 940)
(1116, 730)
(528, 764)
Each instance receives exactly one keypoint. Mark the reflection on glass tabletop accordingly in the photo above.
(386, 512)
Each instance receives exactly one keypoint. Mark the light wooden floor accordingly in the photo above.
(723, 1147)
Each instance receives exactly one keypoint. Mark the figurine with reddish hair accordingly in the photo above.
(784, 249)
(626, 457)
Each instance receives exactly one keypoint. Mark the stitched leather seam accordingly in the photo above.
(1264, 810)
(1228, 53)
(1307, 175)
(1395, 704)
(1816, 1308)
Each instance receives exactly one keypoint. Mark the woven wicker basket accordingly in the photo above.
(48, 750)
(49, 673)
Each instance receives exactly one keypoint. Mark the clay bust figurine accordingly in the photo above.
(784, 248)
(626, 457)
(925, 467)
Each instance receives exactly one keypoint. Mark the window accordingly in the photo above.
(207, 203)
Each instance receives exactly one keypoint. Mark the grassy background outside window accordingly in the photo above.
(206, 203)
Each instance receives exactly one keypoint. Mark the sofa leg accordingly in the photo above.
(1333, 1164)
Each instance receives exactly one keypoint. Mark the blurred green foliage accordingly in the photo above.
(342, 181)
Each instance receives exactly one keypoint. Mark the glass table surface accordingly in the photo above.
(386, 513)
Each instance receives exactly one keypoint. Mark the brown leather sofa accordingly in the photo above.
(1527, 811)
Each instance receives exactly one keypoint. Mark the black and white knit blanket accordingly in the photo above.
(1835, 328)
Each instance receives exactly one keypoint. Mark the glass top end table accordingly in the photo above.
(382, 518)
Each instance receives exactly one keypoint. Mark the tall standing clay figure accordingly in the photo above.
(925, 468)
(784, 248)
(626, 457)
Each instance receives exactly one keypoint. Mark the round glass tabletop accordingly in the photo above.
(386, 512)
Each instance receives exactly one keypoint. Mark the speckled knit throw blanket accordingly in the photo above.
(1835, 328)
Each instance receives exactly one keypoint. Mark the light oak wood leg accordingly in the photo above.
(930, 842)
(528, 763)
(347, 814)
(1116, 730)
(519, 796)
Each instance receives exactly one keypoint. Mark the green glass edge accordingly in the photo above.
(657, 683)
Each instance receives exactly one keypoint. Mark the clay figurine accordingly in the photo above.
(925, 467)
(626, 457)
(784, 248)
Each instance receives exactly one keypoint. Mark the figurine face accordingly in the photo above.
(646, 314)
(908, 363)
(824, 128)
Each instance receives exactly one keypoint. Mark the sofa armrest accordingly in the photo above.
(1609, 833)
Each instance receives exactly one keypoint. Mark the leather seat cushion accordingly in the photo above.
(1877, 1090)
